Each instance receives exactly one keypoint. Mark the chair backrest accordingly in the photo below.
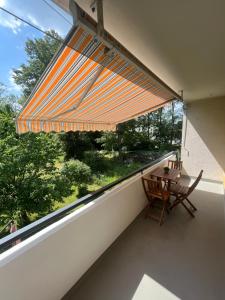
(175, 164)
(152, 186)
(193, 186)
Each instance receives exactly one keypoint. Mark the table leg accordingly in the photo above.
(168, 184)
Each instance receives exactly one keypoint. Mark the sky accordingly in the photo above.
(14, 33)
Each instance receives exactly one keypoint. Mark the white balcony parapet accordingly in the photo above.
(48, 263)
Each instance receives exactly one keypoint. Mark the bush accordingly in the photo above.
(77, 172)
(82, 191)
(95, 160)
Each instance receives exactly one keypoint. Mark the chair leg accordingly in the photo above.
(148, 207)
(192, 205)
(189, 211)
(167, 210)
(175, 203)
(162, 214)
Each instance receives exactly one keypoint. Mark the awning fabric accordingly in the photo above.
(88, 87)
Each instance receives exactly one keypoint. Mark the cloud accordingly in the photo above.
(9, 21)
(13, 87)
(37, 13)
(34, 21)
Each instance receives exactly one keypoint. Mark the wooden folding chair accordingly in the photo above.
(175, 164)
(154, 191)
(182, 193)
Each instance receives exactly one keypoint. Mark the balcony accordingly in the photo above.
(183, 259)
(106, 249)
(102, 247)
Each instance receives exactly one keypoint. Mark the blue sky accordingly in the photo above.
(14, 33)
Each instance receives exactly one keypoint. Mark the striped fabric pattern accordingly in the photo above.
(89, 87)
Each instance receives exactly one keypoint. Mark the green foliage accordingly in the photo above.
(116, 169)
(108, 141)
(8, 102)
(76, 143)
(82, 191)
(159, 130)
(29, 180)
(39, 51)
(77, 172)
(96, 161)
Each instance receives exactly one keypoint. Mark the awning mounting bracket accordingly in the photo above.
(97, 5)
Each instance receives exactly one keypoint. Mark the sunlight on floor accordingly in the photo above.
(211, 187)
(149, 289)
(206, 186)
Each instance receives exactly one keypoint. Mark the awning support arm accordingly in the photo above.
(109, 55)
(93, 80)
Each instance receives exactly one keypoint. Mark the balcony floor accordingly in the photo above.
(183, 259)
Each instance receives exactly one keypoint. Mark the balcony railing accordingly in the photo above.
(29, 230)
(61, 247)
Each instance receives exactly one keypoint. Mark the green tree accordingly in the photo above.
(78, 173)
(108, 141)
(29, 179)
(76, 143)
(159, 130)
(39, 52)
(8, 101)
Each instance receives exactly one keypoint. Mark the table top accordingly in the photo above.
(159, 172)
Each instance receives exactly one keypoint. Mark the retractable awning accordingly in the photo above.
(91, 84)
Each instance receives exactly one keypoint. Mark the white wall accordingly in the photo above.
(48, 264)
(204, 141)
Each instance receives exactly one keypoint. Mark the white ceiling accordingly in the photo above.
(182, 42)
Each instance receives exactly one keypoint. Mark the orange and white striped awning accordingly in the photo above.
(90, 85)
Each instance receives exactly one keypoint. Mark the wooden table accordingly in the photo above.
(172, 176)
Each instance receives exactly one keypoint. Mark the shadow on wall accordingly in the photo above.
(205, 138)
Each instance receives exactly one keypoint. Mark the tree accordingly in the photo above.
(7, 101)
(76, 143)
(39, 51)
(29, 179)
(108, 141)
(159, 130)
(78, 173)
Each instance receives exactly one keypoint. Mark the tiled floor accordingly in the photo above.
(183, 259)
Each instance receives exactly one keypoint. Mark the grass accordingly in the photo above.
(115, 170)
(66, 200)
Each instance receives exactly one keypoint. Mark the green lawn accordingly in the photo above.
(115, 170)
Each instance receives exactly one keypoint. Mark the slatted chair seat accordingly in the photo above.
(179, 189)
(164, 194)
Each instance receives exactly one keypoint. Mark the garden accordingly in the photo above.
(42, 172)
